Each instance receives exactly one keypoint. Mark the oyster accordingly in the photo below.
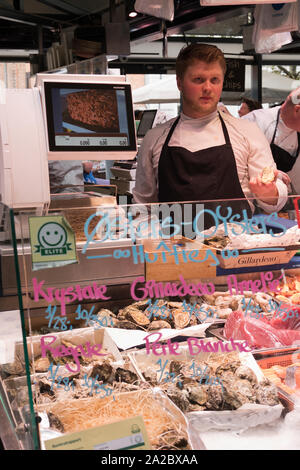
(193, 320)
(125, 375)
(135, 315)
(103, 372)
(238, 392)
(267, 175)
(217, 241)
(55, 422)
(176, 367)
(179, 397)
(158, 325)
(15, 368)
(41, 364)
(127, 325)
(244, 372)
(224, 312)
(175, 304)
(150, 375)
(106, 317)
(44, 386)
(171, 441)
(181, 318)
(198, 394)
(196, 407)
(214, 397)
(266, 393)
(141, 304)
(209, 299)
(225, 362)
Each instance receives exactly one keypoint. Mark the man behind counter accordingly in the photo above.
(281, 127)
(202, 155)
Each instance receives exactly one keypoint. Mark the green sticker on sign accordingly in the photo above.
(52, 242)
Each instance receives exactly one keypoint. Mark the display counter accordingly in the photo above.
(152, 327)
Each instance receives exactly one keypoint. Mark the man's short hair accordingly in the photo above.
(195, 52)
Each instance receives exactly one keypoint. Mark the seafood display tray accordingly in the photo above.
(248, 415)
(162, 401)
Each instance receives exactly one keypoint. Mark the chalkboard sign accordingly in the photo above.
(235, 75)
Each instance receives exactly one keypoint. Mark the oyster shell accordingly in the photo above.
(150, 375)
(176, 367)
(125, 375)
(244, 372)
(44, 386)
(55, 422)
(104, 371)
(198, 394)
(181, 318)
(238, 392)
(41, 364)
(267, 175)
(179, 397)
(214, 397)
(127, 325)
(158, 325)
(106, 317)
(15, 368)
(266, 393)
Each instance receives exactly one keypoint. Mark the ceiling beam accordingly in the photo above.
(149, 29)
(65, 7)
(25, 18)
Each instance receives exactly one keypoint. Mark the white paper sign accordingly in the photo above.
(240, 2)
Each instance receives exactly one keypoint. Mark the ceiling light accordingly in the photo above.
(132, 14)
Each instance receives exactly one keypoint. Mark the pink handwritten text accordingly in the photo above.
(195, 346)
(87, 350)
(266, 283)
(68, 294)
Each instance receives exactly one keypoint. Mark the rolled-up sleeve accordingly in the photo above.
(260, 156)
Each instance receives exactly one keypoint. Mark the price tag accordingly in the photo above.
(128, 434)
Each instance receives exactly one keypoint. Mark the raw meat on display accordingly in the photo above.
(258, 333)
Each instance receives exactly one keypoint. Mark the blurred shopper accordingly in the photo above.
(248, 105)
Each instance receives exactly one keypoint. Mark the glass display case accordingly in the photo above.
(105, 290)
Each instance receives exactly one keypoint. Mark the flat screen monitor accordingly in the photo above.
(89, 120)
(146, 122)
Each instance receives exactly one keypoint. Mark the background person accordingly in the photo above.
(281, 127)
(248, 105)
(202, 154)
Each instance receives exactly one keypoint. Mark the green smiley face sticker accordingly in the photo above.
(52, 235)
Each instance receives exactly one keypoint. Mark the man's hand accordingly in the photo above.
(266, 192)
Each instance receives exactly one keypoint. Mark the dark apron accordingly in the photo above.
(283, 159)
(203, 175)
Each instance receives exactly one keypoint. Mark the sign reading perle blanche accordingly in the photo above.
(52, 242)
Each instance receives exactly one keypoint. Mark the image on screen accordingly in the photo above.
(89, 117)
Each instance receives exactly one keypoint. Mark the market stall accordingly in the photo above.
(202, 330)
(169, 326)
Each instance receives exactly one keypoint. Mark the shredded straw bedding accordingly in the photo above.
(163, 428)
